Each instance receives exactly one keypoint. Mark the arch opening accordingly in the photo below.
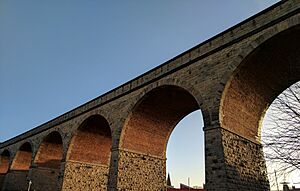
(4, 165)
(260, 78)
(264, 73)
(46, 170)
(89, 156)
(185, 152)
(146, 133)
(92, 142)
(280, 137)
(17, 177)
(50, 152)
(23, 158)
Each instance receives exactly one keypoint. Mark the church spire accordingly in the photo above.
(169, 184)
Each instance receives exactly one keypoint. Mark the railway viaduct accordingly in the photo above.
(118, 140)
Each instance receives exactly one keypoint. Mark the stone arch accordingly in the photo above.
(4, 165)
(89, 155)
(253, 45)
(50, 151)
(96, 133)
(17, 177)
(146, 132)
(23, 158)
(5, 161)
(261, 76)
(47, 163)
(173, 82)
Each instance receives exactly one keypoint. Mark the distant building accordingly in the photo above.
(185, 188)
(286, 187)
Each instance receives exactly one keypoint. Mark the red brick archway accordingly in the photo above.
(88, 157)
(261, 77)
(46, 172)
(4, 166)
(50, 152)
(265, 72)
(145, 136)
(92, 142)
(153, 119)
(17, 177)
(22, 160)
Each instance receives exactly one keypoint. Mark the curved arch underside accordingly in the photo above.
(23, 158)
(263, 75)
(153, 119)
(4, 163)
(92, 142)
(50, 152)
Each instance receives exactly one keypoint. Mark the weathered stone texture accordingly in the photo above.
(83, 176)
(45, 179)
(140, 172)
(205, 73)
(215, 173)
(2, 177)
(244, 163)
(16, 181)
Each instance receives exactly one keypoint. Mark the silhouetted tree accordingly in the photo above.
(281, 131)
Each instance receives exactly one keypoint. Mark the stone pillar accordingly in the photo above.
(113, 170)
(2, 177)
(16, 180)
(46, 179)
(138, 171)
(84, 176)
(215, 172)
(233, 162)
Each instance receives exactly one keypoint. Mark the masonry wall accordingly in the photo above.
(2, 176)
(244, 163)
(16, 180)
(141, 172)
(45, 179)
(81, 176)
(203, 71)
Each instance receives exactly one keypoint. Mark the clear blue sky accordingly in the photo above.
(56, 55)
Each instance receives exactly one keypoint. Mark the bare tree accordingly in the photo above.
(281, 132)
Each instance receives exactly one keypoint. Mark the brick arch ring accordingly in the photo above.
(167, 82)
(233, 67)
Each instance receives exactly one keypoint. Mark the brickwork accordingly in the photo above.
(17, 177)
(85, 176)
(22, 161)
(246, 98)
(154, 118)
(92, 142)
(50, 152)
(4, 161)
(231, 78)
(89, 156)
